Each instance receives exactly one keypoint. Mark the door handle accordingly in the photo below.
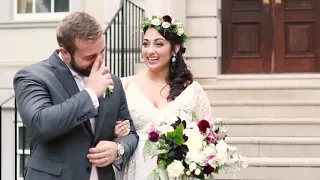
(278, 1)
(266, 1)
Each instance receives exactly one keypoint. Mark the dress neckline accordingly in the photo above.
(148, 100)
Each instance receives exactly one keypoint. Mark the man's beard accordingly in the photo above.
(81, 71)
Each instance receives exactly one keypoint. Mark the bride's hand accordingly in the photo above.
(122, 128)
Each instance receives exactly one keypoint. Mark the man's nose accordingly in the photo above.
(100, 57)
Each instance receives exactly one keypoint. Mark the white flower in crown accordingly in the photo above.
(165, 24)
(155, 22)
(180, 31)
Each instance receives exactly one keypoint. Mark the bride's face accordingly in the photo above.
(156, 50)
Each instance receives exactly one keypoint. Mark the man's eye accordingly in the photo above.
(90, 57)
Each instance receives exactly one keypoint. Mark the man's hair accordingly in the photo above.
(77, 25)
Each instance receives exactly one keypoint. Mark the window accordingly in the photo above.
(40, 9)
(23, 149)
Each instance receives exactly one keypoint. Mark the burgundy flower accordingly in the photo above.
(167, 18)
(203, 125)
(208, 170)
(172, 26)
(212, 137)
(153, 136)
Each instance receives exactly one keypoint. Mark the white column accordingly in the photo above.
(95, 8)
(175, 8)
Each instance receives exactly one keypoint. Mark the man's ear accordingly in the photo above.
(64, 54)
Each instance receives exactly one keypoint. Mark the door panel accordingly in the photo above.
(247, 36)
(270, 36)
(296, 31)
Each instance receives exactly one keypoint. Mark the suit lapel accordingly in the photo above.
(67, 80)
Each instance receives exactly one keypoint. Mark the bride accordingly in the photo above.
(166, 90)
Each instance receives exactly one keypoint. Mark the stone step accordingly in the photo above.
(266, 109)
(273, 173)
(206, 81)
(270, 79)
(277, 168)
(262, 92)
(274, 130)
(276, 147)
(272, 127)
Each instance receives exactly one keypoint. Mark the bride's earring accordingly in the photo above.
(173, 59)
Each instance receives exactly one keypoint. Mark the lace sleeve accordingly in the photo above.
(125, 82)
(202, 105)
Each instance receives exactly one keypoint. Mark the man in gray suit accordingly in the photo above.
(63, 102)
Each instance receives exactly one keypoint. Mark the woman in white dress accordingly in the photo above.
(165, 90)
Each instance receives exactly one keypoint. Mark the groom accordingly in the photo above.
(68, 104)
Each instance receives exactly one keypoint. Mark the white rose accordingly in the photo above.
(222, 154)
(180, 31)
(188, 173)
(192, 166)
(165, 25)
(155, 22)
(150, 18)
(208, 150)
(197, 172)
(175, 169)
(195, 139)
(165, 128)
(194, 156)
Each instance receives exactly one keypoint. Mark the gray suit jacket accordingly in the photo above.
(57, 115)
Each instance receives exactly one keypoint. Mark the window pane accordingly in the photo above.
(43, 6)
(24, 6)
(61, 6)
(22, 167)
(24, 137)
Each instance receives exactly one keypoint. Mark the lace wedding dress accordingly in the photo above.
(143, 112)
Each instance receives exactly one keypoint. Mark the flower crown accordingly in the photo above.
(166, 23)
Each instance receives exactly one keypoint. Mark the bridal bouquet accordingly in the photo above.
(190, 150)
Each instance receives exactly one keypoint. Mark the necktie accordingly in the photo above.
(81, 85)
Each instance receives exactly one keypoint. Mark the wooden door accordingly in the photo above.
(297, 35)
(246, 36)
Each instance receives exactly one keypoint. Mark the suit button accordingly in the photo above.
(88, 169)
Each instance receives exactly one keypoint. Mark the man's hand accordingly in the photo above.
(122, 128)
(103, 154)
(99, 78)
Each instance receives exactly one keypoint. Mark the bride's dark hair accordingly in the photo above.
(179, 76)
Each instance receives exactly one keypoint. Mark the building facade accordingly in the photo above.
(257, 60)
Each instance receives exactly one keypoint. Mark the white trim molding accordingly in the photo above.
(34, 16)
